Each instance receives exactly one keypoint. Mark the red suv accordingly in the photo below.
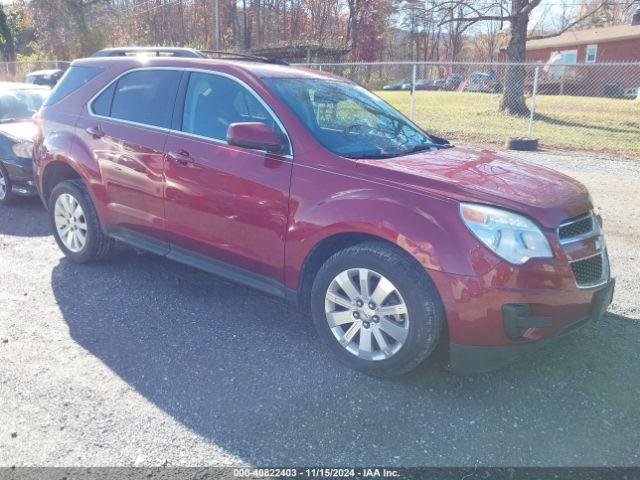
(309, 187)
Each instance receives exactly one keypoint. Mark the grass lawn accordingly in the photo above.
(562, 122)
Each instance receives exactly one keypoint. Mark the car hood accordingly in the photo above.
(484, 176)
(19, 130)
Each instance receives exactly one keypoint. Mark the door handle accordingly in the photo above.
(182, 157)
(95, 132)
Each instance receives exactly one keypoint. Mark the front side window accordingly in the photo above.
(213, 102)
(349, 120)
(145, 96)
(592, 51)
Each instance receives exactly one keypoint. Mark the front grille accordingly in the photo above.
(576, 228)
(589, 271)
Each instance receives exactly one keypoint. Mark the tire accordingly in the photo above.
(422, 324)
(522, 144)
(97, 245)
(7, 197)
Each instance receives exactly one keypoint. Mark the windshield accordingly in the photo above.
(349, 120)
(20, 105)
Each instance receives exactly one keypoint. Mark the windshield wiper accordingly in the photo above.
(426, 146)
(416, 149)
(372, 156)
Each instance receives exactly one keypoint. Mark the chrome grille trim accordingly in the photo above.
(593, 231)
(604, 277)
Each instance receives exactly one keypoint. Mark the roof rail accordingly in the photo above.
(244, 56)
(182, 52)
(155, 51)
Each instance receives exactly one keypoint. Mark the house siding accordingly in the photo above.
(594, 80)
(616, 51)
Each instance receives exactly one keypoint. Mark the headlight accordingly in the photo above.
(511, 236)
(22, 149)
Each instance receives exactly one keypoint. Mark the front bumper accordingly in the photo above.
(477, 359)
(20, 172)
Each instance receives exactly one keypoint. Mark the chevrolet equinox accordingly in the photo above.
(306, 186)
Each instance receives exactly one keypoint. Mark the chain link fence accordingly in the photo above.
(16, 71)
(581, 107)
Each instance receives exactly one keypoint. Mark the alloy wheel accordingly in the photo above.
(71, 223)
(367, 314)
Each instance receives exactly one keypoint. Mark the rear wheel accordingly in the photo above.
(75, 223)
(6, 194)
(376, 310)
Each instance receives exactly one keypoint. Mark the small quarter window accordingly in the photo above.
(102, 104)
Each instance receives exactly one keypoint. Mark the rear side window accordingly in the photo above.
(73, 79)
(145, 97)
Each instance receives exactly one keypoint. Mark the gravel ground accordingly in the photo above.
(142, 361)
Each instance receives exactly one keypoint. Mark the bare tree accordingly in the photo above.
(486, 43)
(517, 14)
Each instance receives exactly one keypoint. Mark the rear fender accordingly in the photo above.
(67, 148)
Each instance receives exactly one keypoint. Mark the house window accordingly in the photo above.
(557, 64)
(569, 56)
(590, 56)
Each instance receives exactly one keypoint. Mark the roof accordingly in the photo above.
(256, 69)
(586, 37)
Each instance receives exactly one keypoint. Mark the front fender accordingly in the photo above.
(429, 228)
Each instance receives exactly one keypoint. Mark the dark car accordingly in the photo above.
(420, 85)
(308, 187)
(18, 103)
(483, 82)
(397, 85)
(44, 77)
(439, 84)
(426, 84)
(453, 81)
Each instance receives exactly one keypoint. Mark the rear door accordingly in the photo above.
(126, 130)
(226, 202)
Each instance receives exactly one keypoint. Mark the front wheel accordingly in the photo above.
(6, 194)
(376, 309)
(75, 223)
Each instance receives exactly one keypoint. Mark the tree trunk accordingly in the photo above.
(259, 30)
(7, 42)
(513, 96)
(246, 44)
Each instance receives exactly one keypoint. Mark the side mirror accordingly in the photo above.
(254, 135)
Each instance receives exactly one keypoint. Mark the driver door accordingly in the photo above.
(226, 203)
